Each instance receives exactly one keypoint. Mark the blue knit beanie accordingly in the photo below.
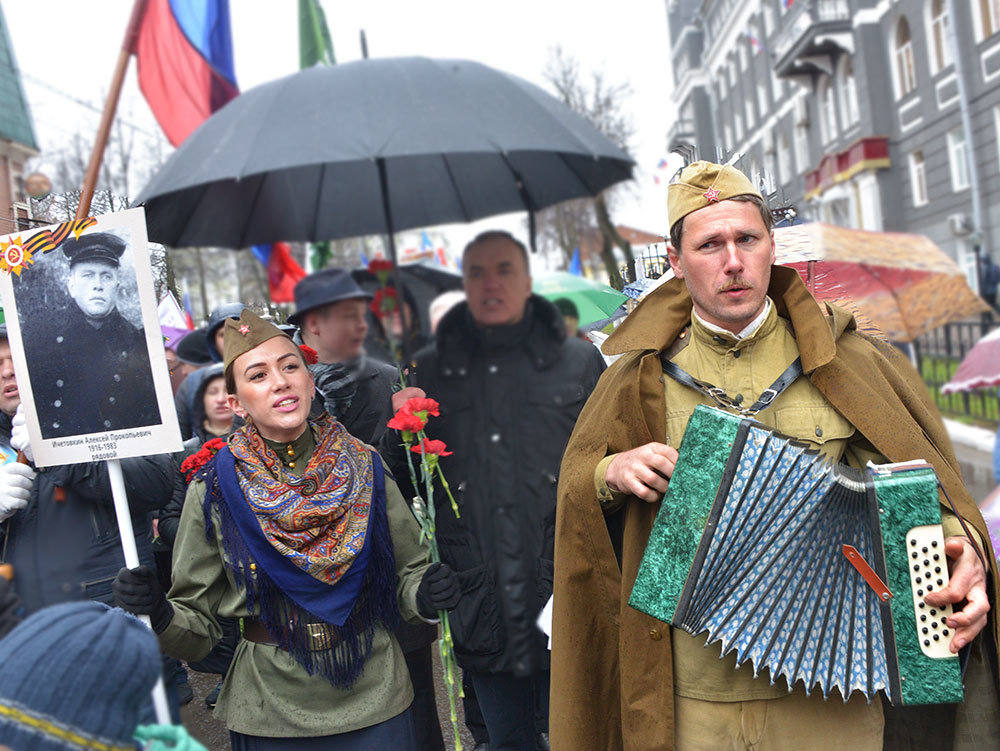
(75, 676)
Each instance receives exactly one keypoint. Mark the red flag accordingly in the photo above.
(283, 273)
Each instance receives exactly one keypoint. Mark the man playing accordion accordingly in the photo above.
(736, 324)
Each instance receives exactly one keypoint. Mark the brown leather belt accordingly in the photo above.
(320, 637)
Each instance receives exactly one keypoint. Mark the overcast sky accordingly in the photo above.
(67, 50)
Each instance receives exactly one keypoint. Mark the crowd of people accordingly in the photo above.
(280, 549)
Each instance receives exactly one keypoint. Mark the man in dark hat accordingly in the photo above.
(89, 368)
(357, 390)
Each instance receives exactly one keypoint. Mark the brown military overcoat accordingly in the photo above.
(611, 665)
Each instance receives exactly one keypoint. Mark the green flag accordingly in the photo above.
(315, 48)
(315, 45)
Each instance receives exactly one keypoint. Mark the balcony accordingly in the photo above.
(813, 33)
(682, 135)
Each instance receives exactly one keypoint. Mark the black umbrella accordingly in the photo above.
(374, 147)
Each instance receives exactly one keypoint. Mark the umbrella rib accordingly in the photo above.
(590, 191)
(522, 188)
(316, 209)
(252, 208)
(454, 183)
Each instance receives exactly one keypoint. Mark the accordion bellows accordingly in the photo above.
(747, 547)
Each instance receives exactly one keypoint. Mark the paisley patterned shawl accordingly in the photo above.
(318, 520)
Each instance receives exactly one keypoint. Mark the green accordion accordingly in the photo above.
(808, 569)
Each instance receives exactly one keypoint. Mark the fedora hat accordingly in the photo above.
(324, 288)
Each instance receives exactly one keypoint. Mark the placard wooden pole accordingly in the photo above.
(131, 561)
(110, 106)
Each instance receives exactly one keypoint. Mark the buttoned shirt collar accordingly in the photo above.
(746, 331)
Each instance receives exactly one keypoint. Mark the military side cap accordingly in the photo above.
(701, 184)
(246, 334)
(100, 246)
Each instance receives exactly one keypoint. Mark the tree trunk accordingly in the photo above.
(611, 235)
(611, 263)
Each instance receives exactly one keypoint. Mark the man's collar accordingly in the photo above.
(746, 331)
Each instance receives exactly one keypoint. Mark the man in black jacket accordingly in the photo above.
(510, 385)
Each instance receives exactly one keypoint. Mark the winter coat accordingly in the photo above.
(509, 398)
(71, 549)
(612, 668)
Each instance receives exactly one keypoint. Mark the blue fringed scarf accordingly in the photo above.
(287, 599)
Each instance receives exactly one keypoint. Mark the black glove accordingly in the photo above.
(138, 591)
(10, 607)
(438, 590)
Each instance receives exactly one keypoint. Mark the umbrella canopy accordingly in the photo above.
(979, 369)
(593, 301)
(904, 284)
(372, 147)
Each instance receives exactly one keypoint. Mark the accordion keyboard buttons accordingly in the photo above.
(927, 574)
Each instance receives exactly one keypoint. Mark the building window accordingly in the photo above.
(737, 127)
(918, 178)
(762, 98)
(768, 17)
(957, 160)
(728, 135)
(784, 159)
(988, 18)
(801, 148)
(996, 126)
(827, 111)
(906, 76)
(940, 44)
(848, 92)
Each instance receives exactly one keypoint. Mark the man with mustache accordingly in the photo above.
(89, 367)
(732, 319)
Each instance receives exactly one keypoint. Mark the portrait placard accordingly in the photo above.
(81, 317)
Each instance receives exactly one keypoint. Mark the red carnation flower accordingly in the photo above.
(424, 405)
(379, 264)
(406, 422)
(385, 302)
(199, 459)
(311, 355)
(429, 446)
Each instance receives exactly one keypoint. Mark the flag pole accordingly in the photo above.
(110, 106)
(118, 494)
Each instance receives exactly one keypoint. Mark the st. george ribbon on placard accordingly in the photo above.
(811, 570)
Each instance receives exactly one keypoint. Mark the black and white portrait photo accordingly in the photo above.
(89, 364)
(80, 321)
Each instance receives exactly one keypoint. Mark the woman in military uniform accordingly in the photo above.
(295, 529)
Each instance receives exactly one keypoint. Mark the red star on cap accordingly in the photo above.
(712, 195)
(244, 329)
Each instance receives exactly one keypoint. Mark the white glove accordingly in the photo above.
(19, 435)
(15, 487)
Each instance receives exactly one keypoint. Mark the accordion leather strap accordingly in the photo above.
(723, 399)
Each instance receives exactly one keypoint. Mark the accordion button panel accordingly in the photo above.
(926, 575)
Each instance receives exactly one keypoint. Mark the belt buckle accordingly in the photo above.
(319, 636)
